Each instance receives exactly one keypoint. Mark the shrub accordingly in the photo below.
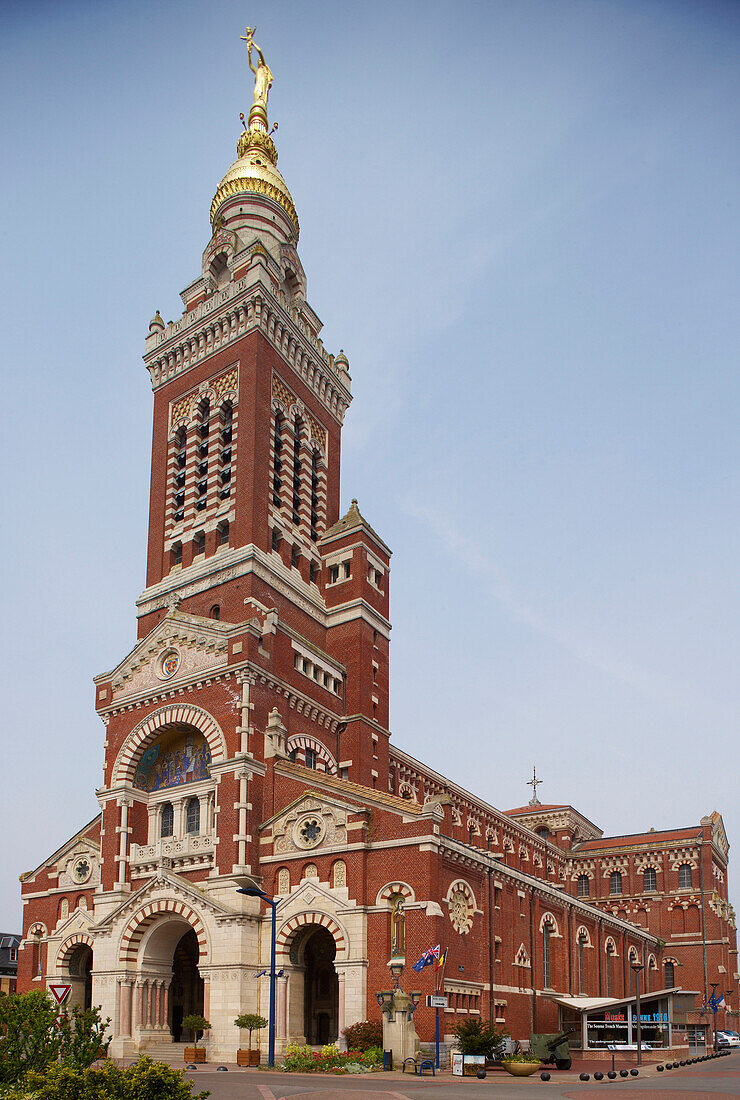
(83, 1037)
(145, 1080)
(365, 1035)
(298, 1059)
(477, 1037)
(29, 1037)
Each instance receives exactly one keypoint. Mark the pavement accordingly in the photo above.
(717, 1079)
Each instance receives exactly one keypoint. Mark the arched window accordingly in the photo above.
(178, 474)
(222, 533)
(277, 462)
(203, 426)
(63, 909)
(581, 964)
(298, 432)
(192, 816)
(224, 452)
(546, 966)
(339, 874)
(283, 882)
(610, 952)
(684, 875)
(649, 879)
(584, 886)
(670, 975)
(199, 543)
(167, 820)
(543, 832)
(215, 611)
(314, 496)
(615, 882)
(176, 554)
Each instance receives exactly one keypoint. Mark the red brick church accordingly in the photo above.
(247, 741)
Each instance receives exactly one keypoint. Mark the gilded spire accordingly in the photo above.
(255, 169)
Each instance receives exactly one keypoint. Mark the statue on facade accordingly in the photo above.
(398, 928)
(262, 73)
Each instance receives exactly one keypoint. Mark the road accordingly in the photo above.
(718, 1079)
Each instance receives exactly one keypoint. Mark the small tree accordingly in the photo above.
(476, 1037)
(83, 1038)
(196, 1024)
(29, 1037)
(250, 1021)
(365, 1035)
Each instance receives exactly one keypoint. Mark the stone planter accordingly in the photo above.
(195, 1054)
(521, 1069)
(247, 1057)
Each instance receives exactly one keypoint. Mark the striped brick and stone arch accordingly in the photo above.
(633, 955)
(70, 947)
(325, 761)
(584, 936)
(309, 921)
(38, 930)
(158, 723)
(548, 919)
(163, 911)
(610, 947)
(392, 890)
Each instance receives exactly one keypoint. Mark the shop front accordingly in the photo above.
(605, 1024)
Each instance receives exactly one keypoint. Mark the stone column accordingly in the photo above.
(149, 1000)
(123, 840)
(165, 1006)
(140, 1002)
(340, 1011)
(156, 999)
(281, 1021)
(206, 997)
(126, 990)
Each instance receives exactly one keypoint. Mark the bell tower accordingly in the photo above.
(248, 404)
(244, 519)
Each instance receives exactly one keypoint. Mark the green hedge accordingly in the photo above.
(146, 1080)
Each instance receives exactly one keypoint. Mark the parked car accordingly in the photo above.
(728, 1039)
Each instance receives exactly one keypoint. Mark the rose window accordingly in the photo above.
(461, 910)
(309, 832)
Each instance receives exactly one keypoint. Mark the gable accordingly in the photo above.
(178, 649)
(84, 843)
(310, 824)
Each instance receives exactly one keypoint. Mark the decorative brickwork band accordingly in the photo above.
(289, 929)
(142, 921)
(149, 728)
(68, 946)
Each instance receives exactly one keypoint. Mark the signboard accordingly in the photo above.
(60, 991)
(436, 1002)
(467, 1065)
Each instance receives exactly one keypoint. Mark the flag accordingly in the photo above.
(716, 1002)
(426, 958)
(441, 960)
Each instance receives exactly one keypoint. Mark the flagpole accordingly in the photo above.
(439, 984)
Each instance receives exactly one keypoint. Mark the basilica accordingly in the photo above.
(246, 738)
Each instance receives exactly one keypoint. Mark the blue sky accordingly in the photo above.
(520, 221)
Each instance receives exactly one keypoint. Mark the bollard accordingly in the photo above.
(585, 1077)
(612, 1074)
(598, 1076)
(544, 1077)
(634, 1072)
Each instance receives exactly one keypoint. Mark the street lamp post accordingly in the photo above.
(638, 967)
(713, 1006)
(254, 892)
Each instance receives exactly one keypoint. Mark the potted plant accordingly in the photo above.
(249, 1021)
(197, 1024)
(521, 1065)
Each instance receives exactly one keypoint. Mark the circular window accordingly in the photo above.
(169, 663)
(308, 831)
(81, 869)
(461, 910)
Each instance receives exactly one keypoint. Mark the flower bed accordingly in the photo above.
(329, 1059)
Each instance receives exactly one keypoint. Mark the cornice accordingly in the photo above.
(247, 305)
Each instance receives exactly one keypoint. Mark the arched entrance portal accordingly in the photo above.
(321, 988)
(187, 985)
(171, 986)
(79, 969)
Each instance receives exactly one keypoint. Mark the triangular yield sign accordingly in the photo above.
(60, 992)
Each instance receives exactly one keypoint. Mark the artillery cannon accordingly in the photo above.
(552, 1048)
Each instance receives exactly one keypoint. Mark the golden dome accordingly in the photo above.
(255, 170)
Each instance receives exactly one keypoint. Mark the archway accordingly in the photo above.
(321, 988)
(171, 986)
(187, 985)
(79, 969)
